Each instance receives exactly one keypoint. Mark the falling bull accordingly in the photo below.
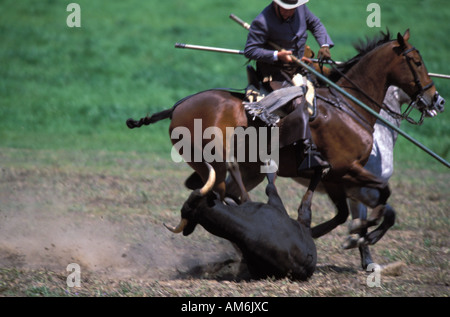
(242, 145)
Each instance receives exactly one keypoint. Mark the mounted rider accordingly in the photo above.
(286, 22)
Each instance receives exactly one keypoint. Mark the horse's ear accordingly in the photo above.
(401, 40)
(406, 35)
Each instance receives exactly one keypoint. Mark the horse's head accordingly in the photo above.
(411, 75)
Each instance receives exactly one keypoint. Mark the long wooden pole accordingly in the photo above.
(209, 48)
(351, 97)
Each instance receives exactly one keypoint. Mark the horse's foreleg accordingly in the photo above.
(366, 257)
(358, 224)
(359, 215)
(337, 194)
(388, 221)
(373, 198)
(379, 210)
(378, 203)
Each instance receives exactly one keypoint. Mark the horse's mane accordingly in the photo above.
(362, 48)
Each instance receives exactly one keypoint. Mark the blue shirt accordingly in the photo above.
(290, 35)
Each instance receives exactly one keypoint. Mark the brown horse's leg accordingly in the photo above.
(359, 176)
(359, 215)
(388, 221)
(336, 192)
(233, 168)
(366, 257)
(304, 211)
(380, 207)
(251, 177)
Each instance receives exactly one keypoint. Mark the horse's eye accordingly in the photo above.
(418, 64)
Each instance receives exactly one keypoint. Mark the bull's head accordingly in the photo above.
(191, 205)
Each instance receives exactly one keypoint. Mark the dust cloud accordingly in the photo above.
(39, 229)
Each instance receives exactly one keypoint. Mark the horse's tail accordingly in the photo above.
(165, 114)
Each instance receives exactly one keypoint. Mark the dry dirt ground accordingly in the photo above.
(105, 212)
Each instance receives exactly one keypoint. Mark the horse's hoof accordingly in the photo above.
(362, 242)
(375, 215)
(366, 257)
(350, 243)
(365, 262)
(356, 225)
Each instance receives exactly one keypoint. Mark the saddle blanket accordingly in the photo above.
(268, 109)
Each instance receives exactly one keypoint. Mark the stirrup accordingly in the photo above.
(313, 160)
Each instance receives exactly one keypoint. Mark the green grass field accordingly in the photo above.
(73, 88)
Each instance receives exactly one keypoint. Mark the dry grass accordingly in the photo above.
(105, 211)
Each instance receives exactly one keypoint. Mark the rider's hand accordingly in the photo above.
(324, 53)
(285, 56)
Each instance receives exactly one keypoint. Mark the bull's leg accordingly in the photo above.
(304, 211)
(337, 194)
(271, 192)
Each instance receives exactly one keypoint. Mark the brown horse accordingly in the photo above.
(342, 130)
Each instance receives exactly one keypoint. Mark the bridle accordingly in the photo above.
(417, 81)
(417, 98)
(421, 89)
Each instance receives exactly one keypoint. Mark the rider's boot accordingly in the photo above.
(312, 157)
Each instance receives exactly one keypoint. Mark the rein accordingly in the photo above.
(392, 113)
(383, 106)
(349, 110)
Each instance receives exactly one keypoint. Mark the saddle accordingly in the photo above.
(271, 106)
(283, 108)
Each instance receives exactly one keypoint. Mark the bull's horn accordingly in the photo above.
(210, 182)
(203, 191)
(183, 223)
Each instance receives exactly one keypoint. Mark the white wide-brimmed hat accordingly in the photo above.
(290, 4)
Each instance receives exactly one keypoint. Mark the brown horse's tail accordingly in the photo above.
(165, 114)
